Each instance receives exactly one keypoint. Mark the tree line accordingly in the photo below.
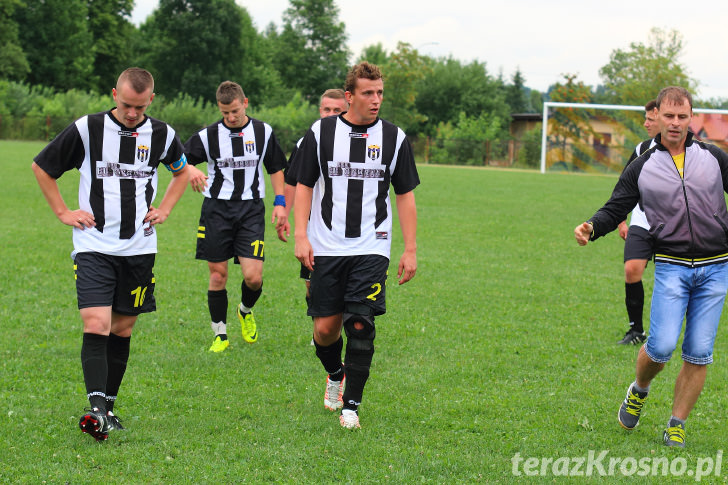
(52, 51)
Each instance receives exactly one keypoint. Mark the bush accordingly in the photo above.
(529, 154)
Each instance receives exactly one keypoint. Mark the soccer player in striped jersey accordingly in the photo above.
(333, 103)
(117, 153)
(344, 172)
(232, 219)
(638, 245)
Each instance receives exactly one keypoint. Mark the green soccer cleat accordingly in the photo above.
(247, 322)
(218, 345)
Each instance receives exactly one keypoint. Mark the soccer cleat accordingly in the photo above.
(633, 337)
(674, 435)
(94, 422)
(247, 322)
(218, 345)
(629, 411)
(349, 419)
(114, 422)
(333, 395)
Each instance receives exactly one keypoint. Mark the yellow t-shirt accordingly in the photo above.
(680, 163)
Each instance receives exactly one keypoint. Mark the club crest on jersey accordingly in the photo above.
(358, 135)
(142, 153)
(250, 146)
(373, 151)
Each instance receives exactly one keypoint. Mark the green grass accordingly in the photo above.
(503, 343)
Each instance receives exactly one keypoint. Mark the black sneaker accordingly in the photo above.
(114, 421)
(94, 422)
(633, 337)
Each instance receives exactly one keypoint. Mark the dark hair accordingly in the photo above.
(675, 95)
(139, 79)
(650, 106)
(363, 70)
(229, 91)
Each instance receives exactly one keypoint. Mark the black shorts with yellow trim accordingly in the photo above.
(231, 228)
(338, 280)
(125, 283)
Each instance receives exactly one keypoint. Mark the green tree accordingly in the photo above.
(13, 62)
(516, 93)
(374, 54)
(402, 72)
(193, 45)
(310, 53)
(635, 76)
(450, 87)
(108, 21)
(57, 42)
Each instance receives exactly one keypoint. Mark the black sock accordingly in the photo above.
(95, 368)
(217, 302)
(117, 355)
(330, 357)
(635, 301)
(248, 297)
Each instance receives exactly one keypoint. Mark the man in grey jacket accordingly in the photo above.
(680, 185)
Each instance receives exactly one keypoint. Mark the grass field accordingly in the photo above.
(503, 344)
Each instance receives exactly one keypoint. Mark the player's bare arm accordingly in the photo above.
(48, 185)
(280, 214)
(303, 249)
(407, 211)
(284, 231)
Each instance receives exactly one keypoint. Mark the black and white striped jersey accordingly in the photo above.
(233, 157)
(118, 178)
(350, 168)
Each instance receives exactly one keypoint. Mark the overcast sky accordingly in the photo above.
(542, 38)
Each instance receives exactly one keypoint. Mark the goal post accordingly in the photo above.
(599, 138)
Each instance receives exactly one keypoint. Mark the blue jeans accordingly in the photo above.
(696, 294)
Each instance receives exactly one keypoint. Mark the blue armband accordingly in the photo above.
(178, 165)
(280, 200)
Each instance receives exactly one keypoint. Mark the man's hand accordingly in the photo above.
(583, 232)
(155, 216)
(623, 230)
(304, 252)
(198, 179)
(407, 267)
(78, 218)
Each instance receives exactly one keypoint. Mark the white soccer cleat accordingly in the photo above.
(349, 419)
(333, 395)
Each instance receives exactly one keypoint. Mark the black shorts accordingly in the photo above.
(638, 244)
(230, 228)
(337, 280)
(125, 283)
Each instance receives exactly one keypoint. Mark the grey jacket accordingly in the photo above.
(688, 217)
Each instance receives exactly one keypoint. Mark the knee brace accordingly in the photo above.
(359, 342)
